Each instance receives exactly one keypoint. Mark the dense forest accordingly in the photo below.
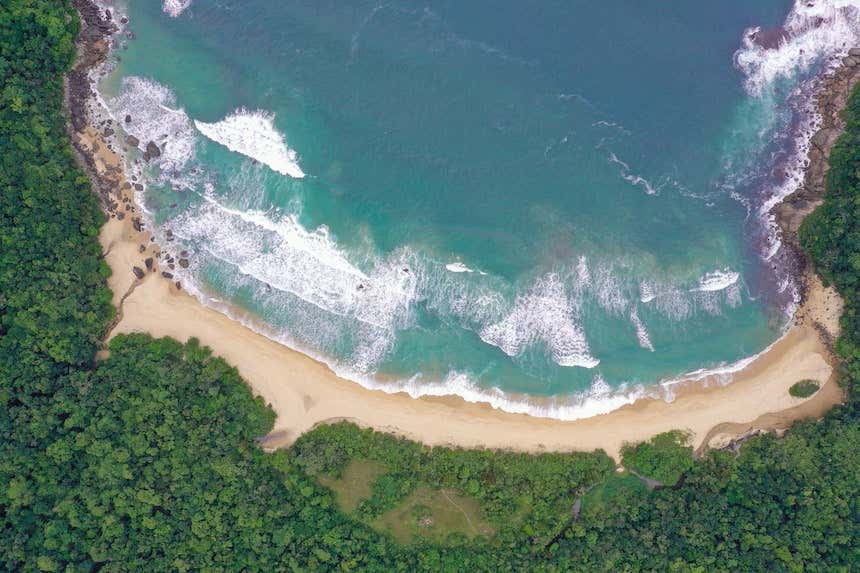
(147, 461)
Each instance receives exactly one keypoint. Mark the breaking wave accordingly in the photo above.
(641, 333)
(148, 111)
(253, 134)
(717, 280)
(544, 313)
(782, 71)
(814, 30)
(174, 8)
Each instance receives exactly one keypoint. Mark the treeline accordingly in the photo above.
(147, 461)
(831, 234)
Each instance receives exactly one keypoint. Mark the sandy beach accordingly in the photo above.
(305, 393)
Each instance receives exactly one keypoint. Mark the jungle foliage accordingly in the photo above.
(146, 461)
(663, 458)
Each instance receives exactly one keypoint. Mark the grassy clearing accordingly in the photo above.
(617, 488)
(804, 388)
(438, 516)
(354, 486)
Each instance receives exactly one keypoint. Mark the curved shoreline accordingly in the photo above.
(304, 392)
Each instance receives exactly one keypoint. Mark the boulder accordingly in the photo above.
(148, 263)
(183, 263)
(167, 275)
(138, 272)
(151, 152)
(132, 140)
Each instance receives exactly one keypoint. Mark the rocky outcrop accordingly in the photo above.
(830, 100)
(152, 151)
(92, 44)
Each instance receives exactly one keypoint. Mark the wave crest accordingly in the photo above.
(253, 134)
(543, 313)
(174, 8)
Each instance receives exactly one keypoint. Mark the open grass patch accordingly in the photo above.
(354, 484)
(616, 489)
(804, 388)
(437, 516)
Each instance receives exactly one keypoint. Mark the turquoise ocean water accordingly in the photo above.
(552, 199)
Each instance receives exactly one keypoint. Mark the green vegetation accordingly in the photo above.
(614, 491)
(354, 485)
(804, 388)
(503, 483)
(435, 516)
(147, 461)
(664, 458)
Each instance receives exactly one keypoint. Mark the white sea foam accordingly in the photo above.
(641, 332)
(281, 253)
(544, 313)
(458, 268)
(155, 117)
(814, 30)
(632, 178)
(253, 134)
(608, 290)
(716, 280)
(599, 399)
(646, 292)
(174, 8)
(583, 275)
